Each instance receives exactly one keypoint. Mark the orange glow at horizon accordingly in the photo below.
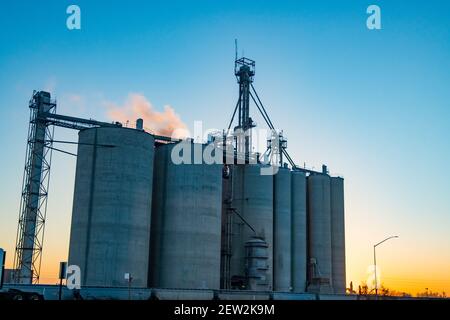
(411, 280)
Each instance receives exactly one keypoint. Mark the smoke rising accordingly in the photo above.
(165, 123)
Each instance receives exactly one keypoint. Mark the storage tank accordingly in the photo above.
(282, 230)
(299, 240)
(253, 200)
(256, 264)
(186, 221)
(319, 227)
(111, 216)
(338, 235)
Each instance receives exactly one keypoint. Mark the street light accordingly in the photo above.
(375, 261)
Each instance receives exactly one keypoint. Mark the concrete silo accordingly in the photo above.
(111, 217)
(299, 239)
(338, 235)
(253, 201)
(319, 230)
(282, 230)
(186, 220)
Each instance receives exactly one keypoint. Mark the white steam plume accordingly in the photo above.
(165, 123)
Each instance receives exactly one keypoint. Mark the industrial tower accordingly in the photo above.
(30, 232)
(33, 205)
(244, 69)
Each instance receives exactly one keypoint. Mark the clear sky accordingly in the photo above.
(374, 105)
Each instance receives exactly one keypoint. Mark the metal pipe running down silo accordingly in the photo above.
(227, 228)
(253, 199)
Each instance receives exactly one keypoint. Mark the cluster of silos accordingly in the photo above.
(271, 209)
(159, 212)
(300, 218)
(139, 213)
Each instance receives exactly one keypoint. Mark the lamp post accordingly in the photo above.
(375, 261)
(129, 278)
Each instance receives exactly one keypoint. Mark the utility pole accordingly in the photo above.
(62, 276)
(375, 261)
(129, 278)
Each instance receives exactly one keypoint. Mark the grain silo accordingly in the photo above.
(253, 201)
(186, 220)
(319, 229)
(111, 217)
(197, 224)
(338, 235)
(282, 230)
(299, 239)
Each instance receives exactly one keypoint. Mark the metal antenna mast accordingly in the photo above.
(33, 204)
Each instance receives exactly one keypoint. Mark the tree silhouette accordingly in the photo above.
(430, 294)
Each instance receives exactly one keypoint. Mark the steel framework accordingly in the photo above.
(244, 69)
(36, 178)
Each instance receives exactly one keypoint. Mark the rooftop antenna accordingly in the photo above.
(235, 49)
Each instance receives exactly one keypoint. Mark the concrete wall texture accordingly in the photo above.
(338, 234)
(298, 229)
(110, 229)
(282, 231)
(186, 224)
(319, 225)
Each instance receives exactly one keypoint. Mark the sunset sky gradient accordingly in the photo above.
(372, 105)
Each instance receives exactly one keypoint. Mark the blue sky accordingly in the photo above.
(373, 105)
